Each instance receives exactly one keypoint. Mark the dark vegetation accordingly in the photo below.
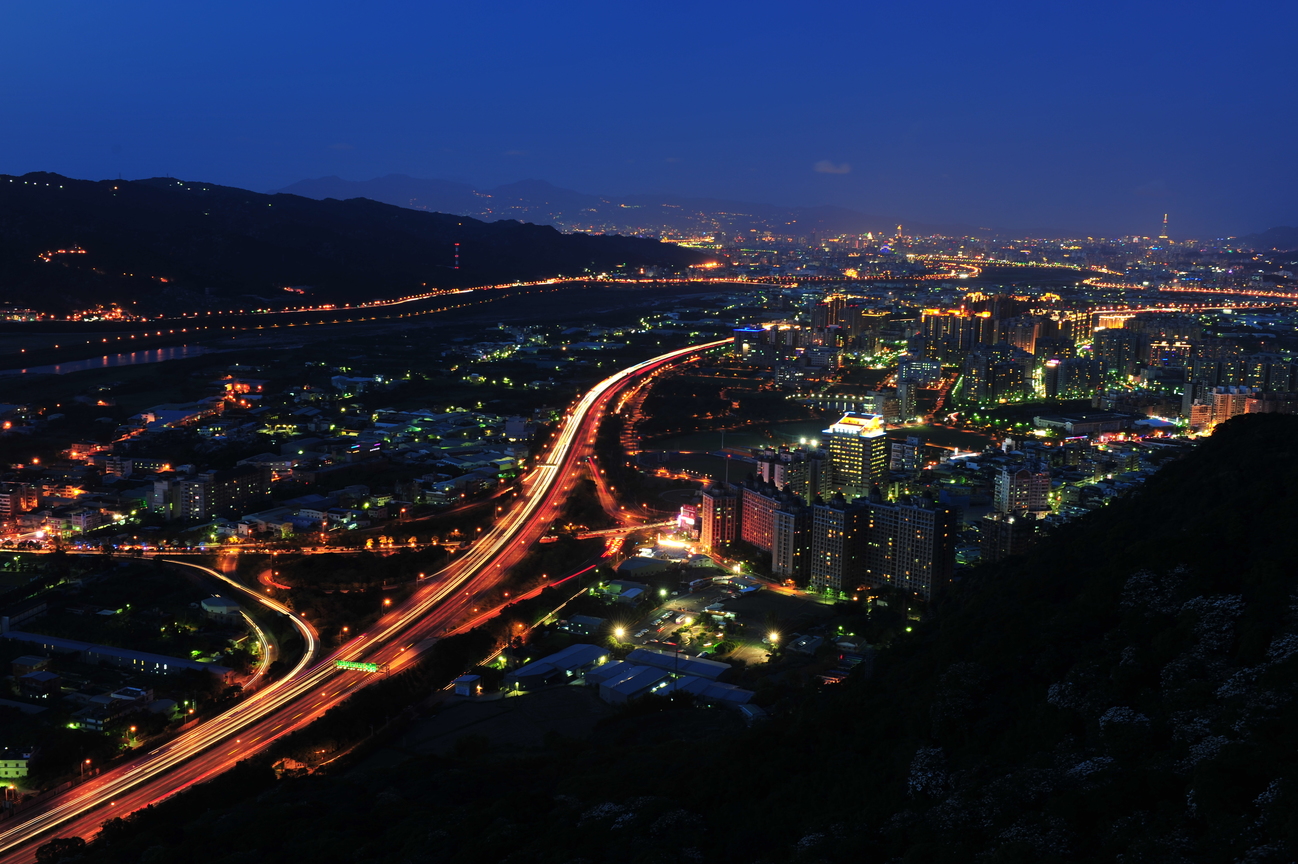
(1126, 689)
(712, 398)
(169, 245)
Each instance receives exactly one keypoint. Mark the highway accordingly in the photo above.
(316, 685)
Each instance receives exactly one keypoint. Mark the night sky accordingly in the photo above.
(1046, 116)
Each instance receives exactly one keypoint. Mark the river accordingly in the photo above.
(108, 361)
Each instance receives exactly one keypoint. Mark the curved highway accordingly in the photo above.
(309, 691)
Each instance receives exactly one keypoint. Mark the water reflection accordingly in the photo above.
(153, 355)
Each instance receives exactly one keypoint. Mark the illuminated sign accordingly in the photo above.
(358, 667)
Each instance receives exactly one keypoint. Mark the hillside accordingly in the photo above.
(1284, 238)
(544, 203)
(1126, 692)
(169, 245)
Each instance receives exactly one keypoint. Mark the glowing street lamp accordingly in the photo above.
(619, 632)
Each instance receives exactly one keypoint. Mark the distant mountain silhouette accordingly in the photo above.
(1284, 237)
(169, 244)
(543, 203)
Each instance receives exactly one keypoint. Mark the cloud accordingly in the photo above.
(1152, 189)
(341, 147)
(824, 166)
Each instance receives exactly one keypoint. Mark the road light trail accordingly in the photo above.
(430, 612)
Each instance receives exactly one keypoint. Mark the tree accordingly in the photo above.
(60, 849)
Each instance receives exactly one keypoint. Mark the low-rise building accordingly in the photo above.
(636, 682)
(122, 658)
(562, 667)
(679, 664)
(13, 763)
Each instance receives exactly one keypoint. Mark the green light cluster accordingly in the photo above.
(357, 667)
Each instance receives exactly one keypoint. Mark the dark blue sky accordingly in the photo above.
(1091, 116)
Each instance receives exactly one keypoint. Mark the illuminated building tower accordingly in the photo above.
(1022, 332)
(16, 498)
(951, 333)
(1050, 374)
(1023, 489)
(1118, 350)
(1072, 377)
(908, 544)
(917, 370)
(1163, 235)
(1199, 416)
(1268, 372)
(1168, 339)
(1273, 403)
(835, 537)
(1228, 402)
(907, 455)
(747, 340)
(791, 542)
(886, 402)
(796, 471)
(759, 501)
(718, 517)
(905, 400)
(998, 373)
(858, 453)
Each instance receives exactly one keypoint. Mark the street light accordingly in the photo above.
(619, 632)
(774, 637)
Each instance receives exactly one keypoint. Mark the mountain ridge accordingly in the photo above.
(173, 245)
(528, 198)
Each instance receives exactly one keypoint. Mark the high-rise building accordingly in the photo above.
(996, 374)
(747, 340)
(907, 455)
(835, 536)
(905, 400)
(858, 453)
(1071, 377)
(1004, 534)
(718, 517)
(758, 503)
(1119, 351)
(1273, 403)
(918, 370)
(885, 401)
(797, 471)
(948, 334)
(212, 493)
(16, 498)
(1022, 331)
(1228, 402)
(791, 545)
(908, 544)
(1023, 489)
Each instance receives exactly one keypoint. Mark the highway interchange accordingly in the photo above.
(315, 684)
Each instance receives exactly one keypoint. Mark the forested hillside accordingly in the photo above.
(166, 245)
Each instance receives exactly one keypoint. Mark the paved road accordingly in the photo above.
(316, 685)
